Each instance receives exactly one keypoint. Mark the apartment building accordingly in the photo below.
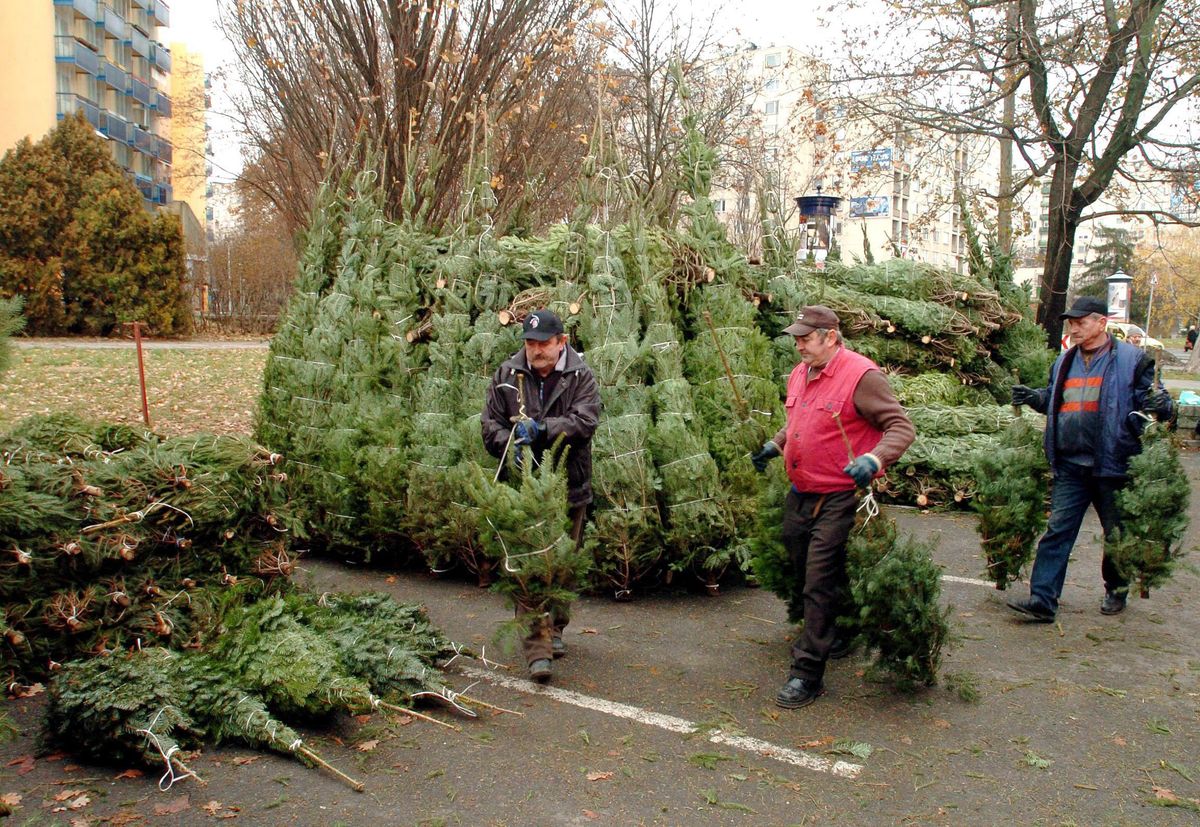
(103, 58)
(898, 188)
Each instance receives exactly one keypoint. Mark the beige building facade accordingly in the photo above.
(103, 58)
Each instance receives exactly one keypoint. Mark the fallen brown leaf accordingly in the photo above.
(211, 807)
(28, 691)
(817, 743)
(362, 719)
(589, 631)
(599, 776)
(1119, 741)
(65, 794)
(243, 760)
(11, 799)
(592, 814)
(1163, 794)
(129, 773)
(941, 723)
(80, 821)
(24, 764)
(55, 756)
(176, 806)
(79, 803)
(367, 746)
(123, 817)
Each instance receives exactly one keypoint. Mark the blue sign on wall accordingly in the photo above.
(869, 206)
(871, 159)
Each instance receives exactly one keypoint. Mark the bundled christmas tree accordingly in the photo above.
(337, 383)
(1154, 513)
(895, 593)
(524, 528)
(1012, 483)
(263, 662)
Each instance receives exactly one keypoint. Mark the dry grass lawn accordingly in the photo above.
(213, 390)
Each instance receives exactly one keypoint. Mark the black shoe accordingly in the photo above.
(842, 647)
(539, 670)
(1113, 603)
(798, 692)
(558, 647)
(1032, 609)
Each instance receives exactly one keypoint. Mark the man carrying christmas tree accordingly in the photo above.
(544, 392)
(1094, 405)
(844, 426)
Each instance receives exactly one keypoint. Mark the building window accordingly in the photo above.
(718, 205)
(775, 59)
(772, 107)
(772, 85)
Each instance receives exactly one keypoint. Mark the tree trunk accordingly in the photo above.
(1065, 208)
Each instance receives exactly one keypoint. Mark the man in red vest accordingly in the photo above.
(844, 426)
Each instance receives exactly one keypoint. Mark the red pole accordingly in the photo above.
(137, 340)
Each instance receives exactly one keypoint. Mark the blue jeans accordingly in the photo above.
(1075, 488)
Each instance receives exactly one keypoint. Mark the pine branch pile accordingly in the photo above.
(1012, 486)
(1154, 513)
(280, 658)
(110, 536)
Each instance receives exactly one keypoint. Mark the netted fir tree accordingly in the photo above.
(338, 379)
(1154, 513)
(1012, 486)
(524, 527)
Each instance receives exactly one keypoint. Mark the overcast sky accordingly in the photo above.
(809, 25)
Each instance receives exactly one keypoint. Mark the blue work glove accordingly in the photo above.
(1022, 395)
(863, 469)
(764, 455)
(526, 432)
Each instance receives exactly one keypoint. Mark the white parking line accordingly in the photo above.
(970, 581)
(799, 758)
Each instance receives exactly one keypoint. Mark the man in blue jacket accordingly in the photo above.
(1096, 406)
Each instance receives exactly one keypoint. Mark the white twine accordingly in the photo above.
(169, 777)
(683, 459)
(869, 507)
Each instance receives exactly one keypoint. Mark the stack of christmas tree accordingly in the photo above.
(113, 537)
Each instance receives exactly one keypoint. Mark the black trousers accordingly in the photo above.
(815, 530)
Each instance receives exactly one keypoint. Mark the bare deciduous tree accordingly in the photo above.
(1099, 97)
(416, 78)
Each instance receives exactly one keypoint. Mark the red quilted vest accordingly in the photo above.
(816, 452)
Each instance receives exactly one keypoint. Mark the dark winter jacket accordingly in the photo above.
(1128, 379)
(572, 410)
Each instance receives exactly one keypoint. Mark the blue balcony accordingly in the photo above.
(140, 4)
(139, 90)
(70, 50)
(162, 194)
(160, 57)
(138, 42)
(114, 24)
(114, 76)
(84, 8)
(165, 152)
(69, 104)
(115, 127)
(160, 13)
(144, 141)
(161, 104)
(146, 185)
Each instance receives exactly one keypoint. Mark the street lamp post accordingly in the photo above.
(1150, 303)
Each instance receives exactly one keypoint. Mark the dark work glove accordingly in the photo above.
(1158, 402)
(1022, 395)
(526, 432)
(764, 455)
(863, 469)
